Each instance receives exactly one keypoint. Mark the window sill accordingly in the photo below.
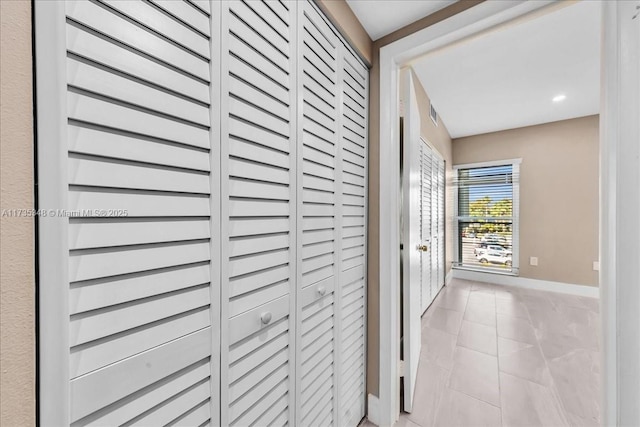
(485, 270)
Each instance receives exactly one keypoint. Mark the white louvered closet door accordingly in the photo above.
(352, 293)
(331, 210)
(258, 213)
(318, 213)
(234, 136)
(140, 137)
(425, 224)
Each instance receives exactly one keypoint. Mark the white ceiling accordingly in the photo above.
(507, 79)
(380, 17)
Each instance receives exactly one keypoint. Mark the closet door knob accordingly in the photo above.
(321, 290)
(265, 317)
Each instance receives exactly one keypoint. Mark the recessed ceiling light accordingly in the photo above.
(559, 98)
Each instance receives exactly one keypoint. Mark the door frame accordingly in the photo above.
(617, 136)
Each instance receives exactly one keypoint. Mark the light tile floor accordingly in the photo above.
(495, 355)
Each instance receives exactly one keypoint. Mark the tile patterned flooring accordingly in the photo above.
(502, 356)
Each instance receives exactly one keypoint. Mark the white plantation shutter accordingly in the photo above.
(139, 138)
(234, 135)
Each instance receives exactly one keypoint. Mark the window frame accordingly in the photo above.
(515, 242)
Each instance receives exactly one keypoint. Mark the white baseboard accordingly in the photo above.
(373, 409)
(523, 282)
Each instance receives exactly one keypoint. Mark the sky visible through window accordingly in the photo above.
(479, 189)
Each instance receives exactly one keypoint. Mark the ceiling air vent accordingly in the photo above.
(433, 113)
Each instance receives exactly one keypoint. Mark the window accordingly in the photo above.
(486, 226)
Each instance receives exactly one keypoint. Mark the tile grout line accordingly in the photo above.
(470, 349)
(446, 384)
(450, 371)
(553, 386)
(498, 360)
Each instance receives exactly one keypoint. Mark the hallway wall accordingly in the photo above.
(349, 26)
(17, 273)
(558, 193)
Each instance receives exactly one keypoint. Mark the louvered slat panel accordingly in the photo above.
(106, 20)
(354, 162)
(99, 172)
(317, 368)
(152, 396)
(102, 112)
(203, 5)
(441, 219)
(435, 211)
(106, 232)
(95, 294)
(104, 143)
(319, 247)
(88, 327)
(427, 294)
(259, 213)
(186, 13)
(152, 17)
(196, 416)
(91, 77)
(139, 140)
(93, 355)
(179, 405)
(101, 389)
(89, 44)
(258, 371)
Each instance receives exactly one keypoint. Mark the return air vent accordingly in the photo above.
(433, 113)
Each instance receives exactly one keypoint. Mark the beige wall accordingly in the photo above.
(351, 29)
(17, 278)
(558, 194)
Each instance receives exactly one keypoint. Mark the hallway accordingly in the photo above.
(495, 355)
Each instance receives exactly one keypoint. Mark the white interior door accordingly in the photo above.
(411, 284)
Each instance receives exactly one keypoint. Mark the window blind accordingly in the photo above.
(486, 218)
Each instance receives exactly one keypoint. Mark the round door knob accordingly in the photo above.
(322, 290)
(265, 317)
(423, 248)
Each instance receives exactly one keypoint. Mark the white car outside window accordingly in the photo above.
(494, 254)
